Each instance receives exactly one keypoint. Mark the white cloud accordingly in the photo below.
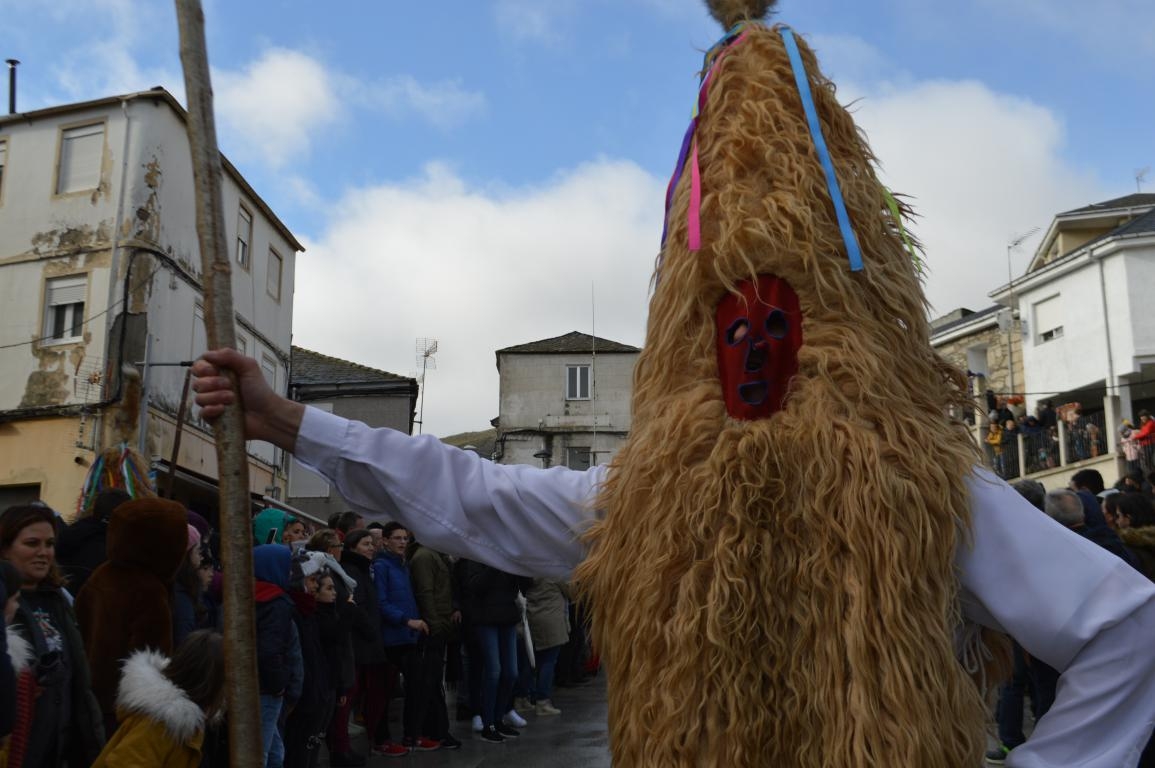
(532, 20)
(277, 105)
(981, 166)
(443, 104)
(478, 269)
(284, 99)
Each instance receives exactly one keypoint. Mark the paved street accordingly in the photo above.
(574, 739)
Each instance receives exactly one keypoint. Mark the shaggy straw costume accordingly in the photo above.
(781, 591)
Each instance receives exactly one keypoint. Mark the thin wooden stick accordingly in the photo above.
(245, 744)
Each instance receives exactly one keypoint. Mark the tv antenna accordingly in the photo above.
(426, 349)
(1140, 177)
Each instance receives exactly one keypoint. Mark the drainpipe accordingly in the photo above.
(1110, 404)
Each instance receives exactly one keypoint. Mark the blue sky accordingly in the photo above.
(488, 173)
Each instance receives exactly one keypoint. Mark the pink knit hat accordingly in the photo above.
(194, 538)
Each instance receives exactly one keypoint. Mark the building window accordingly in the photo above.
(273, 281)
(244, 236)
(64, 308)
(242, 345)
(1048, 320)
(269, 369)
(577, 382)
(81, 152)
(577, 457)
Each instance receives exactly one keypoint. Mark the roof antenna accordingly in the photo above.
(1140, 177)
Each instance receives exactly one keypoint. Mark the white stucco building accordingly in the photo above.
(100, 266)
(564, 401)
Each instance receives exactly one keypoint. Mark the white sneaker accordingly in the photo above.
(513, 719)
(478, 726)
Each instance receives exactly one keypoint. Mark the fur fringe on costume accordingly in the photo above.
(19, 650)
(782, 592)
(146, 691)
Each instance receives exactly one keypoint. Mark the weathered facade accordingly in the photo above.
(100, 267)
(358, 392)
(564, 401)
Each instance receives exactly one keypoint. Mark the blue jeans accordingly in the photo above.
(536, 684)
(497, 645)
(274, 748)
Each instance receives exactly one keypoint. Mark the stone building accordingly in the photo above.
(564, 401)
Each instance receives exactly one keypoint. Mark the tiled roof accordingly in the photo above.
(314, 368)
(1141, 225)
(1137, 200)
(964, 320)
(573, 341)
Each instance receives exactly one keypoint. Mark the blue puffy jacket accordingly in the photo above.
(395, 599)
(274, 608)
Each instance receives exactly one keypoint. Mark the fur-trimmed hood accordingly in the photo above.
(19, 650)
(146, 691)
(1139, 538)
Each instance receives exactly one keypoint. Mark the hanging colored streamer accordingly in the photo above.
(803, 83)
(689, 150)
(896, 214)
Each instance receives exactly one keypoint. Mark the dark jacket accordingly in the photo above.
(395, 599)
(490, 595)
(271, 564)
(126, 604)
(1096, 529)
(318, 681)
(81, 549)
(368, 648)
(67, 713)
(333, 627)
(433, 589)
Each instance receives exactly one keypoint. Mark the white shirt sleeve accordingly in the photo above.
(1067, 601)
(1077, 607)
(517, 518)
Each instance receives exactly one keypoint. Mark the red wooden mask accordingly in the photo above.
(759, 331)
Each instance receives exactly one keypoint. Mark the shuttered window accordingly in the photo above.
(81, 150)
(273, 278)
(1048, 320)
(244, 236)
(64, 308)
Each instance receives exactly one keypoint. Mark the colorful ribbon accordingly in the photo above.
(803, 83)
(896, 214)
(689, 151)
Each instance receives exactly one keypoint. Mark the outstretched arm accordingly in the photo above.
(518, 519)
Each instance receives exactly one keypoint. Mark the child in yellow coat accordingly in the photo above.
(163, 706)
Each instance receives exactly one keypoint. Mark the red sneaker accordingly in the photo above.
(422, 744)
(390, 749)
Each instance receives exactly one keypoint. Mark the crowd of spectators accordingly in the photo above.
(1121, 520)
(115, 657)
(1016, 441)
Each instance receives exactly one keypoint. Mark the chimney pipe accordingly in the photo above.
(12, 85)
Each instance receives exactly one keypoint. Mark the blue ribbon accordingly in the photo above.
(852, 249)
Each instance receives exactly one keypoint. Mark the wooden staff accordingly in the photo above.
(245, 745)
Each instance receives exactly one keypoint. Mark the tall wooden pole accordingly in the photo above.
(236, 521)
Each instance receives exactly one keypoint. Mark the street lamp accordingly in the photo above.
(1011, 246)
